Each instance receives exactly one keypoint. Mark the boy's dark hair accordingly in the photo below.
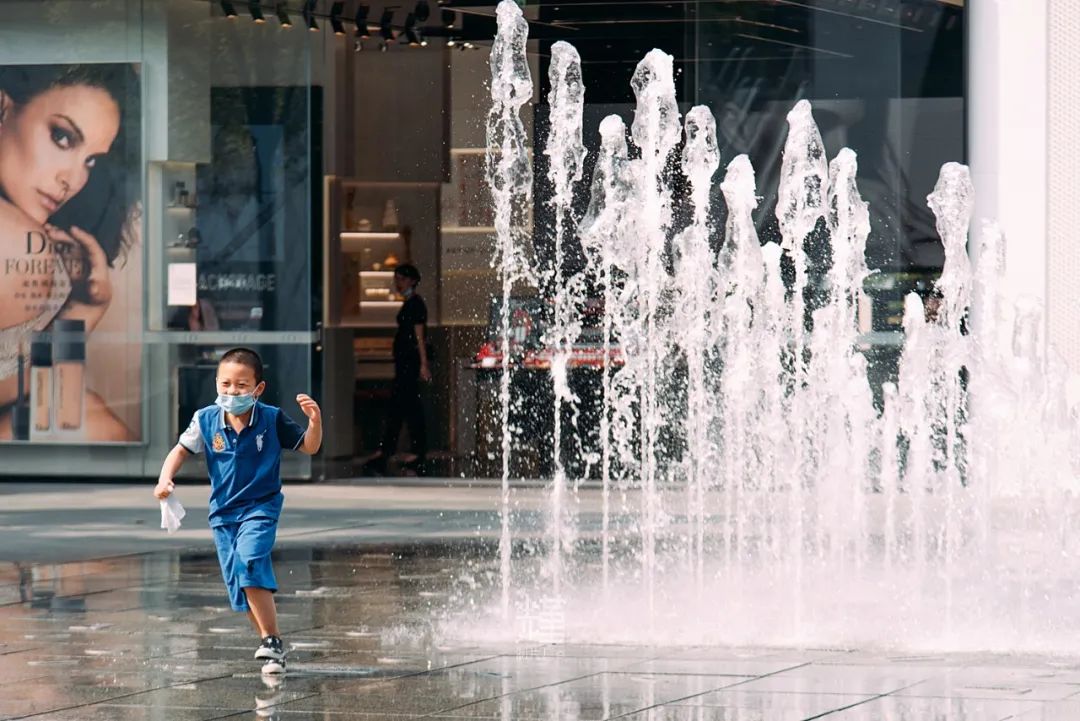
(408, 270)
(245, 357)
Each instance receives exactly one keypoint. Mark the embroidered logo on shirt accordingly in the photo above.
(219, 442)
(259, 442)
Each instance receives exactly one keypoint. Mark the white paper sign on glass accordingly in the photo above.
(182, 284)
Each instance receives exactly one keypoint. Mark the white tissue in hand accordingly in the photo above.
(171, 514)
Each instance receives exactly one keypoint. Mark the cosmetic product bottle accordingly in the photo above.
(20, 412)
(41, 387)
(390, 216)
(69, 368)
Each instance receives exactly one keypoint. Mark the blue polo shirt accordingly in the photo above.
(244, 467)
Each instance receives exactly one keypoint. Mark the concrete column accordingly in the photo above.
(1007, 139)
(1063, 183)
(176, 66)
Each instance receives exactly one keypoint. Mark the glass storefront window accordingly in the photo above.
(884, 78)
(183, 227)
(279, 175)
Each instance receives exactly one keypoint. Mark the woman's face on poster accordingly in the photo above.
(49, 145)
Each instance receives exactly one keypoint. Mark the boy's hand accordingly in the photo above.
(163, 489)
(310, 408)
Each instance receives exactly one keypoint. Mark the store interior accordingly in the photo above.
(294, 153)
(412, 186)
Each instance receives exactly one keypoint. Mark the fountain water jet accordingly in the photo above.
(765, 500)
(509, 172)
(566, 153)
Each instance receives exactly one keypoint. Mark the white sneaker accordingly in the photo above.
(274, 666)
(272, 647)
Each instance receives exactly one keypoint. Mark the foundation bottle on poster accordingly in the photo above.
(41, 387)
(69, 375)
(20, 412)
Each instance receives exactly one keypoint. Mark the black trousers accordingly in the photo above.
(405, 407)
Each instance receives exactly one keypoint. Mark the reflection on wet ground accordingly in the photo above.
(149, 637)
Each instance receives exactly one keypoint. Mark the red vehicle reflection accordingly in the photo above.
(531, 350)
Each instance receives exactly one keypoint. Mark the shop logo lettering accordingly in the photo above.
(238, 281)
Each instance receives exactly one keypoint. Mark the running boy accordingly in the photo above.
(243, 440)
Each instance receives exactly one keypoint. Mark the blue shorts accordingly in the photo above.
(244, 552)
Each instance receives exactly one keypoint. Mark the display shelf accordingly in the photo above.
(371, 229)
(468, 230)
(376, 286)
(173, 224)
(360, 242)
(374, 314)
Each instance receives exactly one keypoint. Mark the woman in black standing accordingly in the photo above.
(410, 368)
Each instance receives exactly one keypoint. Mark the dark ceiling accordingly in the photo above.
(916, 44)
(785, 48)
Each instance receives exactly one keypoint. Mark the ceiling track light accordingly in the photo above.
(309, 15)
(283, 16)
(229, 9)
(255, 8)
(362, 31)
(335, 17)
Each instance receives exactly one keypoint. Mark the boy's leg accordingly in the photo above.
(263, 611)
(225, 541)
(254, 542)
(255, 572)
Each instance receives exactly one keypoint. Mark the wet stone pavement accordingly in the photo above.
(147, 636)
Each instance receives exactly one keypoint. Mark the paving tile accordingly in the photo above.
(744, 668)
(42, 696)
(761, 653)
(783, 705)
(599, 651)
(834, 678)
(594, 697)
(237, 692)
(280, 715)
(426, 693)
(1068, 710)
(108, 712)
(983, 685)
(895, 708)
(771, 708)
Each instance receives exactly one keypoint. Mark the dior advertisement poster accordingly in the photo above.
(70, 254)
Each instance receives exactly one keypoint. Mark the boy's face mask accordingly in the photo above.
(237, 388)
(236, 405)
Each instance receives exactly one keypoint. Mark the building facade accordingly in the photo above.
(267, 165)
